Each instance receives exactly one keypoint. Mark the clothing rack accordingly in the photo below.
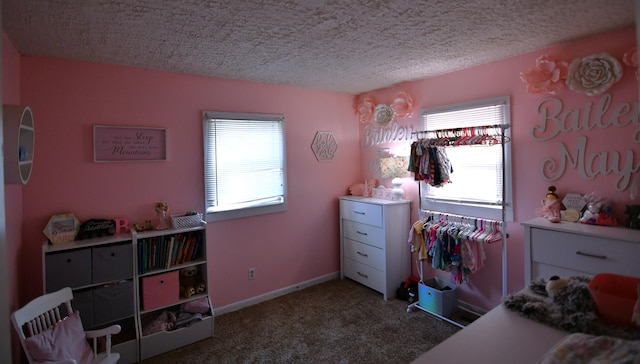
(479, 135)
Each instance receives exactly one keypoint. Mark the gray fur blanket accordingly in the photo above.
(571, 309)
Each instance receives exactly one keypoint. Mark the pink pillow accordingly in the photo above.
(66, 340)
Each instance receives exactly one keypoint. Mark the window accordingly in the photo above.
(477, 186)
(244, 165)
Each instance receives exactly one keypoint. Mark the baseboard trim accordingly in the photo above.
(273, 294)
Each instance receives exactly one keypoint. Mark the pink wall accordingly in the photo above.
(502, 79)
(68, 97)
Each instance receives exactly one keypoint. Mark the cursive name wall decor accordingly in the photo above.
(394, 133)
(554, 120)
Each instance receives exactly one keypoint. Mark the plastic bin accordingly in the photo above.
(615, 296)
(438, 296)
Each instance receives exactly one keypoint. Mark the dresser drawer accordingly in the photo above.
(365, 213)
(364, 274)
(363, 253)
(363, 233)
(583, 253)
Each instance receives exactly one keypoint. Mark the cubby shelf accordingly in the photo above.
(106, 278)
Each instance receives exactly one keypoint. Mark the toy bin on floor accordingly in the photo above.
(438, 296)
(615, 296)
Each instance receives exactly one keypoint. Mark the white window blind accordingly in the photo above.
(244, 168)
(476, 186)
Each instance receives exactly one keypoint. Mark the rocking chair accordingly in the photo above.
(46, 336)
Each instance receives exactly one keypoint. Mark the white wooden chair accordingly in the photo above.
(40, 327)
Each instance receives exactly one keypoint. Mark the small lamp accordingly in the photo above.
(395, 167)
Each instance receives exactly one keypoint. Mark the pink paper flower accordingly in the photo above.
(547, 75)
(630, 59)
(365, 109)
(402, 105)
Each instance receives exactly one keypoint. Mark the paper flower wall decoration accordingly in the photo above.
(383, 114)
(402, 105)
(366, 108)
(547, 75)
(630, 59)
(594, 74)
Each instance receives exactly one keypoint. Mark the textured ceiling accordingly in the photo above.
(333, 45)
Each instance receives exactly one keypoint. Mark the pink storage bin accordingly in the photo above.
(160, 290)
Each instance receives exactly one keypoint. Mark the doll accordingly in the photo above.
(551, 205)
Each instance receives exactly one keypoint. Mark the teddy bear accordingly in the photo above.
(566, 304)
(190, 282)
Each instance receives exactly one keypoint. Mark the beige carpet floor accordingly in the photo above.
(339, 321)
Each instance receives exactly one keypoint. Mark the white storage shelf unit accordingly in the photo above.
(159, 286)
(100, 272)
(107, 280)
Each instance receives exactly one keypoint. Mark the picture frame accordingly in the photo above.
(62, 228)
(129, 143)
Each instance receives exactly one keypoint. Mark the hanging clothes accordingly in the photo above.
(430, 163)
(456, 245)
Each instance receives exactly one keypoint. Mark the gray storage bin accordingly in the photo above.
(112, 262)
(112, 302)
(69, 268)
(83, 303)
(438, 296)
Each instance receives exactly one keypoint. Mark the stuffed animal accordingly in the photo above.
(566, 304)
(191, 283)
(188, 281)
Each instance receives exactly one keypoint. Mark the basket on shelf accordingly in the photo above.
(187, 221)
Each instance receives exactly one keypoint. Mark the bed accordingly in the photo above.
(499, 337)
(564, 249)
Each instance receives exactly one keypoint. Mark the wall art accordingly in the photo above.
(324, 146)
(126, 144)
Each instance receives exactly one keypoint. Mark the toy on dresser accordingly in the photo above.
(551, 206)
(190, 282)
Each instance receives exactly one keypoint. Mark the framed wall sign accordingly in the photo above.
(127, 143)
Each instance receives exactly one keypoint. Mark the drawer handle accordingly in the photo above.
(591, 255)
(361, 233)
(68, 260)
(363, 254)
(359, 213)
(363, 275)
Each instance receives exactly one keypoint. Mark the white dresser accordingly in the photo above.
(373, 242)
(568, 248)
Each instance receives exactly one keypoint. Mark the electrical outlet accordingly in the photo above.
(252, 273)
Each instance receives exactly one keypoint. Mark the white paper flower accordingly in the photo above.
(383, 114)
(594, 74)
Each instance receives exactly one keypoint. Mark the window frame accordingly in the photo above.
(208, 117)
(466, 207)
